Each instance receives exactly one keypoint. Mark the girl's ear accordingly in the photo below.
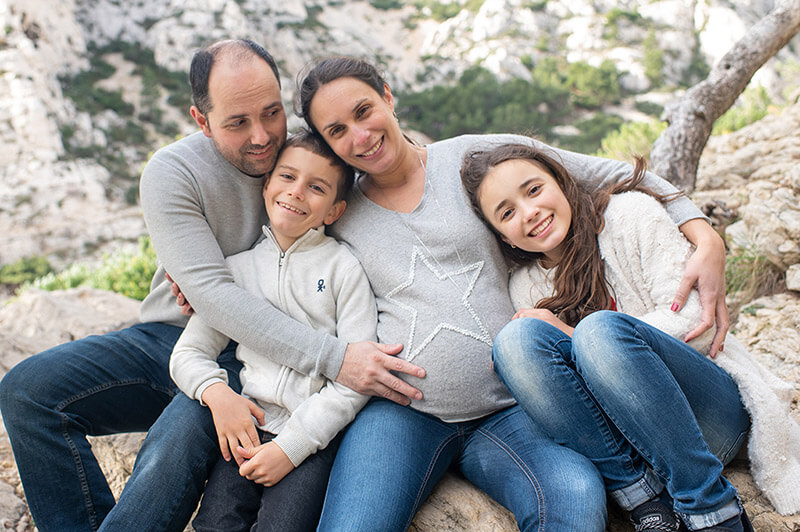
(336, 211)
(507, 241)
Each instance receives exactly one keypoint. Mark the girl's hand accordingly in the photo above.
(546, 316)
(233, 420)
(266, 464)
(705, 270)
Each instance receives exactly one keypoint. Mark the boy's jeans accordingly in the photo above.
(232, 503)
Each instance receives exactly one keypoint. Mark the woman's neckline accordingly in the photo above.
(402, 199)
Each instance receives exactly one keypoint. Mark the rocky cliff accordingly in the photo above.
(65, 153)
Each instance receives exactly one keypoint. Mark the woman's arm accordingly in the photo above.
(645, 262)
(705, 270)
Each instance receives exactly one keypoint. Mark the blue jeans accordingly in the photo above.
(118, 382)
(231, 503)
(648, 410)
(391, 457)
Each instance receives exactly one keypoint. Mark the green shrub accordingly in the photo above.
(592, 131)
(24, 270)
(653, 59)
(479, 103)
(649, 108)
(614, 16)
(440, 11)
(386, 5)
(632, 138)
(123, 272)
(752, 106)
(593, 86)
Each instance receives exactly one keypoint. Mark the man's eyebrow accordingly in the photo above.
(244, 115)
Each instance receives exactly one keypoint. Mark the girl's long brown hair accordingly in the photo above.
(579, 286)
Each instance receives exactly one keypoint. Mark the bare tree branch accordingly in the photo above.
(676, 153)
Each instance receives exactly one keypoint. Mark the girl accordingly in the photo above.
(650, 411)
(441, 286)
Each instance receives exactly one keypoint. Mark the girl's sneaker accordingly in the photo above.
(655, 516)
(740, 523)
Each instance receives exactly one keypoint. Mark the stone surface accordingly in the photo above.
(793, 277)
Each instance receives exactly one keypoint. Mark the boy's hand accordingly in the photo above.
(266, 464)
(546, 316)
(233, 420)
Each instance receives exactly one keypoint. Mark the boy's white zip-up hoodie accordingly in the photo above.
(318, 282)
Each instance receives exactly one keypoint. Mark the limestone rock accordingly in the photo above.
(793, 277)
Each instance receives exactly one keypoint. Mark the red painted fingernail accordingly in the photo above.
(674, 307)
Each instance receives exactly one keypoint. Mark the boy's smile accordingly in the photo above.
(300, 194)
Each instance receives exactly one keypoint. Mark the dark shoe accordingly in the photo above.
(654, 516)
(740, 523)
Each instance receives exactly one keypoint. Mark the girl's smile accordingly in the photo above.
(526, 206)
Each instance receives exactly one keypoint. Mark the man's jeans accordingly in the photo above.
(646, 408)
(391, 457)
(118, 382)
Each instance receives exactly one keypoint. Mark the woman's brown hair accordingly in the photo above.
(579, 285)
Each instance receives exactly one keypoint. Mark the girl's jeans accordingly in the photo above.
(647, 409)
(391, 457)
(118, 382)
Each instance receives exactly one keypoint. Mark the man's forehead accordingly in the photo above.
(243, 86)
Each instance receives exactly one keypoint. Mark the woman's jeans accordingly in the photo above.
(647, 409)
(231, 503)
(391, 457)
(118, 382)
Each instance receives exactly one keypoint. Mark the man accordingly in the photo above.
(201, 198)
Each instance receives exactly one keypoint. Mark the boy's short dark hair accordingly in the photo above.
(313, 142)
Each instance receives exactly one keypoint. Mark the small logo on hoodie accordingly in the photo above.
(320, 285)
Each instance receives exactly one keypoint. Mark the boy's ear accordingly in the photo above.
(336, 211)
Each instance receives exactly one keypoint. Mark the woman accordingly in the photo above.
(441, 285)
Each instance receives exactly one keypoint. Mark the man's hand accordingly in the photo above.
(180, 299)
(546, 316)
(705, 270)
(366, 369)
(233, 420)
(266, 464)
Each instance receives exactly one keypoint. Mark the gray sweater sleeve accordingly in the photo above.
(603, 172)
(190, 232)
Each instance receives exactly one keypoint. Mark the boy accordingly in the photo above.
(315, 280)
